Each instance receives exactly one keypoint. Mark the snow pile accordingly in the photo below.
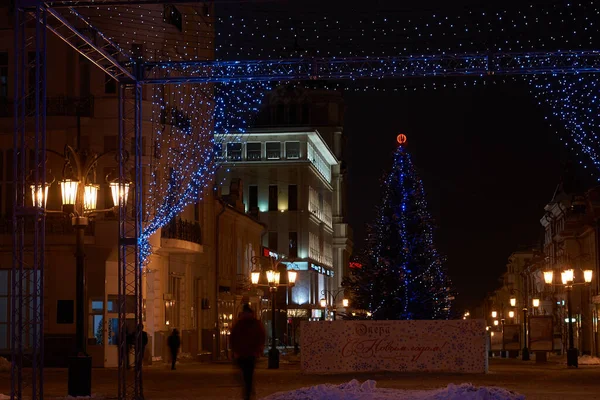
(588, 360)
(93, 396)
(582, 360)
(185, 356)
(354, 390)
(4, 366)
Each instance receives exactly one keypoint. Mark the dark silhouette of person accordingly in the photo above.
(174, 342)
(130, 340)
(144, 342)
(247, 342)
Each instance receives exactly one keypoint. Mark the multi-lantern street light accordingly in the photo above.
(79, 195)
(511, 314)
(272, 276)
(568, 281)
(333, 294)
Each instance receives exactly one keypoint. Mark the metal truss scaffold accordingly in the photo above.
(29, 172)
(29, 147)
(354, 68)
(130, 229)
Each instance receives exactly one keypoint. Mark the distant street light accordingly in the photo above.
(568, 281)
(273, 276)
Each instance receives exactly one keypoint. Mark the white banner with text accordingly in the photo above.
(331, 347)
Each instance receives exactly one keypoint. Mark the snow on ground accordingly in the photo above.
(4, 366)
(582, 360)
(4, 397)
(588, 360)
(354, 390)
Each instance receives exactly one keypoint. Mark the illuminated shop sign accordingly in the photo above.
(321, 270)
(266, 252)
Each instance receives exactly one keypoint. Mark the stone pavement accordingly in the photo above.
(221, 381)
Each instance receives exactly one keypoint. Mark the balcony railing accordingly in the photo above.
(182, 230)
(61, 106)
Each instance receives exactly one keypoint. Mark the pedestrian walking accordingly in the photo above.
(247, 342)
(130, 342)
(174, 342)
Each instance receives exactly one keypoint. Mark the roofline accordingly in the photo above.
(313, 134)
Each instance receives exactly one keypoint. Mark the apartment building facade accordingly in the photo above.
(182, 286)
(290, 166)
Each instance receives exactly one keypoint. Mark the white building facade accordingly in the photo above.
(291, 181)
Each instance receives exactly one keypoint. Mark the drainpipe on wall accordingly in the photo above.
(218, 331)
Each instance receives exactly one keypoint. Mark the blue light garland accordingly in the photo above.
(573, 100)
(185, 120)
(404, 275)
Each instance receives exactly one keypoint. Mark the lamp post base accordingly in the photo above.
(80, 376)
(525, 354)
(273, 358)
(572, 355)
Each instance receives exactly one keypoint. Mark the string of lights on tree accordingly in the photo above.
(184, 119)
(403, 276)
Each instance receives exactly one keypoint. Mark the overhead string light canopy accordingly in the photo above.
(169, 34)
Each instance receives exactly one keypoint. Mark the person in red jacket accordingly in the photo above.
(247, 342)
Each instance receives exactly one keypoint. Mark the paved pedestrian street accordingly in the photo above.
(220, 381)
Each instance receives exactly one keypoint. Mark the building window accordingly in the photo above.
(85, 79)
(234, 151)
(293, 250)
(273, 150)
(318, 161)
(253, 197)
(3, 74)
(253, 151)
(137, 51)
(292, 197)
(110, 85)
(171, 15)
(292, 150)
(173, 306)
(273, 198)
(218, 149)
(273, 241)
(65, 313)
(96, 322)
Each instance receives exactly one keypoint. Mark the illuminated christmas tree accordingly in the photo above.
(402, 275)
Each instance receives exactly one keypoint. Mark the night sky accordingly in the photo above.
(489, 161)
(488, 157)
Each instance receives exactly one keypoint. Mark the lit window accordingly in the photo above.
(234, 151)
(292, 150)
(253, 151)
(273, 150)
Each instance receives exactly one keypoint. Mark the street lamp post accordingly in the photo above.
(273, 276)
(334, 294)
(568, 281)
(513, 303)
(79, 197)
(502, 321)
